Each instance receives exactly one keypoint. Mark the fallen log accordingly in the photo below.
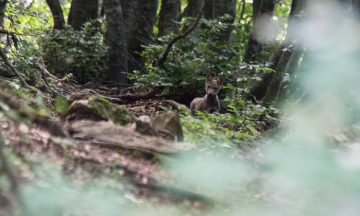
(108, 134)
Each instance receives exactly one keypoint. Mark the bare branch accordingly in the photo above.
(40, 65)
(160, 62)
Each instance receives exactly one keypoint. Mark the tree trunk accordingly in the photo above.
(2, 11)
(115, 38)
(169, 17)
(141, 32)
(3, 4)
(289, 54)
(259, 90)
(287, 64)
(219, 8)
(83, 11)
(57, 13)
(225, 7)
(129, 14)
(209, 10)
(291, 68)
(193, 8)
(222, 7)
(263, 11)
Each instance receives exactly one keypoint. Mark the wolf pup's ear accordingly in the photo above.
(220, 81)
(209, 77)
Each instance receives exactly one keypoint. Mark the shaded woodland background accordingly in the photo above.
(94, 116)
(157, 44)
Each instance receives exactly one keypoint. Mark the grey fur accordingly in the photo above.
(210, 102)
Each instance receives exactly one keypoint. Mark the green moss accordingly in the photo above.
(108, 110)
(81, 95)
(19, 103)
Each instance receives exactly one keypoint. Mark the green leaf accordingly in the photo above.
(61, 105)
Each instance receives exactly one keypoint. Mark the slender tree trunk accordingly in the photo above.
(57, 13)
(193, 8)
(141, 32)
(242, 12)
(169, 16)
(116, 38)
(263, 11)
(83, 11)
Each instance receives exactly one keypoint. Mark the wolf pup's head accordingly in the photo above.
(212, 86)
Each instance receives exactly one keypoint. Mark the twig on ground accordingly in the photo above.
(40, 65)
(122, 99)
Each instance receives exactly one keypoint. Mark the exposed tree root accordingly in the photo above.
(14, 70)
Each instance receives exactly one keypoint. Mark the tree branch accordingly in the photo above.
(126, 98)
(10, 36)
(13, 69)
(40, 65)
(243, 7)
(160, 62)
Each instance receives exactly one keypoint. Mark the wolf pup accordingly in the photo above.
(210, 102)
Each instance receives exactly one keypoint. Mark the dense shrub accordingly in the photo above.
(81, 53)
(200, 53)
(189, 60)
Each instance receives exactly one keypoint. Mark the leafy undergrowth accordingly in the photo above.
(228, 130)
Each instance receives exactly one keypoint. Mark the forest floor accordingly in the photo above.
(138, 147)
(96, 139)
